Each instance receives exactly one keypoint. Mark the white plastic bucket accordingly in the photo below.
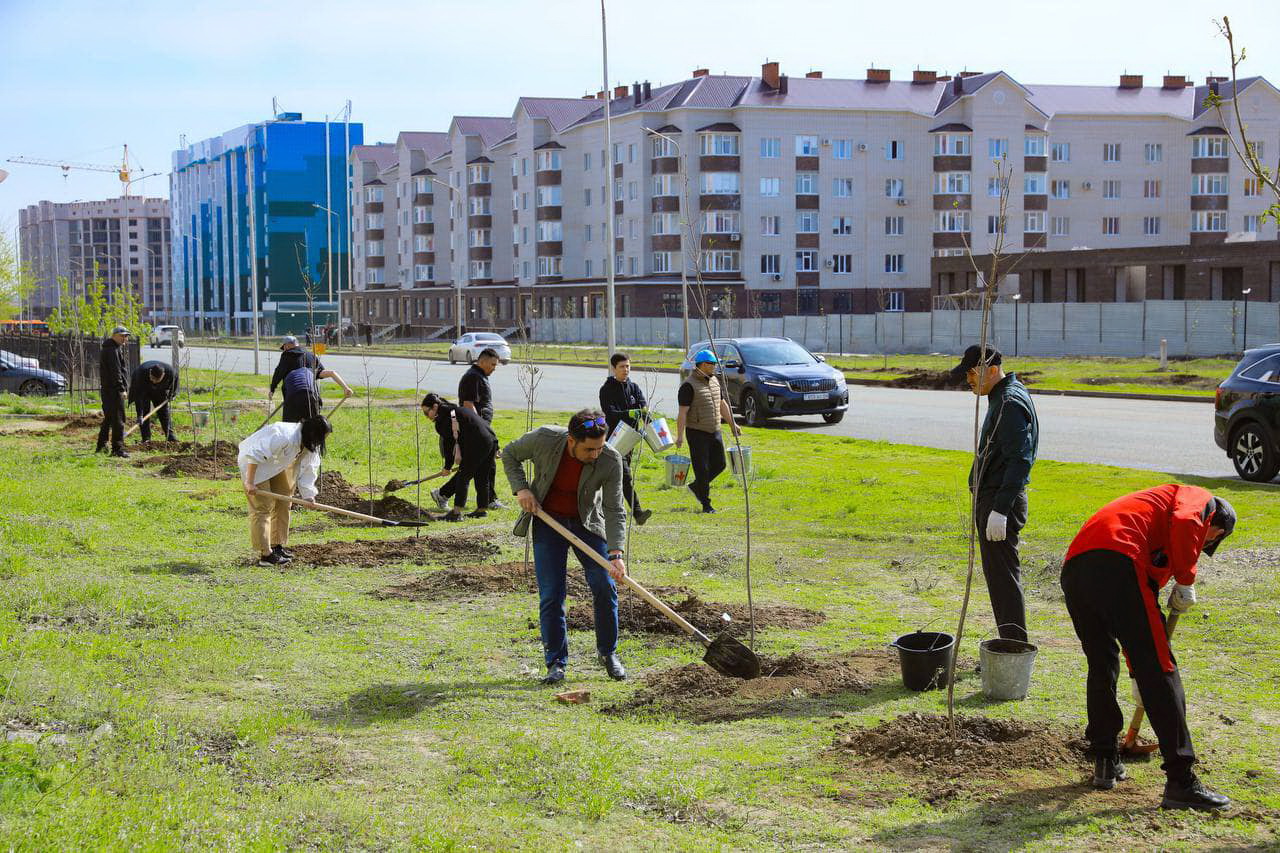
(1006, 668)
(740, 462)
(200, 417)
(624, 438)
(658, 435)
(678, 469)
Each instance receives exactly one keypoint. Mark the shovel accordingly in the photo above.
(272, 415)
(385, 522)
(1130, 745)
(725, 655)
(147, 417)
(397, 485)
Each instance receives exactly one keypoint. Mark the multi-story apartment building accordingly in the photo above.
(817, 194)
(265, 201)
(121, 242)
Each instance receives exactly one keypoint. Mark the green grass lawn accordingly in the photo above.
(254, 708)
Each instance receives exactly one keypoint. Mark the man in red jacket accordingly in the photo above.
(1112, 576)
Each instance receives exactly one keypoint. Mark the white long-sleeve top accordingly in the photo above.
(276, 447)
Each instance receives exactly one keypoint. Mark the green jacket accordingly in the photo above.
(599, 488)
(1007, 444)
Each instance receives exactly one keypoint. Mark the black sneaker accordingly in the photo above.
(441, 501)
(555, 674)
(708, 509)
(171, 438)
(642, 515)
(1192, 794)
(282, 551)
(613, 665)
(1107, 772)
(477, 513)
(271, 559)
(101, 448)
(453, 515)
(120, 454)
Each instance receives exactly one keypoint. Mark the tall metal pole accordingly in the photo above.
(253, 246)
(328, 203)
(610, 307)
(346, 210)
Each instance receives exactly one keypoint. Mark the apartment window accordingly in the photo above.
(1033, 145)
(1208, 146)
(481, 237)
(666, 223)
(1252, 187)
(586, 197)
(1033, 222)
(952, 221)
(550, 231)
(951, 143)
(663, 261)
(721, 222)
(770, 226)
(547, 160)
(631, 154)
(524, 234)
(1251, 223)
(1111, 189)
(632, 263)
(377, 275)
(424, 243)
(478, 173)
(373, 195)
(769, 302)
(722, 144)
(1150, 226)
(662, 185)
(842, 264)
(1035, 183)
(586, 233)
(721, 183)
(806, 183)
(480, 205)
(586, 161)
(1111, 152)
(721, 261)
(661, 146)
(1060, 226)
(549, 196)
(524, 201)
(951, 183)
(586, 268)
(842, 187)
(1153, 152)
(423, 272)
(1111, 226)
(895, 188)
(617, 156)
(894, 226)
(1208, 220)
(481, 269)
(894, 301)
(806, 260)
(1208, 184)
(842, 225)
(617, 190)
(1060, 152)
(373, 220)
(995, 186)
(807, 222)
(895, 263)
(633, 190)
(770, 147)
(806, 146)
(373, 248)
(893, 150)
(549, 265)
(770, 187)
(996, 225)
(771, 264)
(1151, 189)
(997, 149)
(1060, 189)
(842, 149)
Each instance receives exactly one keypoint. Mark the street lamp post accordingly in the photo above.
(684, 278)
(329, 262)
(1016, 297)
(1246, 293)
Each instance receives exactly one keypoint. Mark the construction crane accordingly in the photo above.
(126, 172)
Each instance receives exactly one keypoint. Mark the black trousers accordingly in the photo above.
(299, 407)
(628, 485)
(475, 466)
(1002, 567)
(113, 409)
(143, 407)
(706, 452)
(1110, 610)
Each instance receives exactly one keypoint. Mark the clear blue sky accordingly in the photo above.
(77, 79)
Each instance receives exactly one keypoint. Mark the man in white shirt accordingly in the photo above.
(278, 457)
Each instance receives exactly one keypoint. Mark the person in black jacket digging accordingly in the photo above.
(113, 376)
(293, 357)
(467, 439)
(619, 397)
(475, 394)
(153, 384)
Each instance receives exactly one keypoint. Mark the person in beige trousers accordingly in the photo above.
(279, 457)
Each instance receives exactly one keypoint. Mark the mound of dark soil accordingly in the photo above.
(1168, 380)
(419, 550)
(707, 616)
(334, 490)
(919, 377)
(78, 421)
(699, 693)
(462, 582)
(194, 460)
(922, 744)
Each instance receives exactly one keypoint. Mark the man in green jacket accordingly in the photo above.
(999, 476)
(577, 480)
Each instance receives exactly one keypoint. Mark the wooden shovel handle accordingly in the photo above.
(146, 418)
(337, 406)
(1135, 723)
(338, 510)
(272, 415)
(634, 585)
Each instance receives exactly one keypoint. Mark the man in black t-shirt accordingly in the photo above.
(474, 393)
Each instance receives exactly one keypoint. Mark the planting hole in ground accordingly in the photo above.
(707, 616)
(418, 550)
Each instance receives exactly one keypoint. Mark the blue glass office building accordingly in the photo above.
(294, 232)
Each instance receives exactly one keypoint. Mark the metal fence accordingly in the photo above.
(73, 357)
(1132, 329)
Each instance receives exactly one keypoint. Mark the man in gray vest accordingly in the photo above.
(702, 408)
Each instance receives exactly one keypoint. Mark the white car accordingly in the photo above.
(468, 347)
(15, 360)
(162, 336)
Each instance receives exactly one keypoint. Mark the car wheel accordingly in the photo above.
(833, 417)
(471, 357)
(33, 388)
(452, 360)
(753, 409)
(1254, 454)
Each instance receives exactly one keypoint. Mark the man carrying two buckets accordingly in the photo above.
(630, 421)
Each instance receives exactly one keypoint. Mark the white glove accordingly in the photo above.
(1137, 694)
(1182, 598)
(996, 527)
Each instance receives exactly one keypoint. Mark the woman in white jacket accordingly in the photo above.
(277, 457)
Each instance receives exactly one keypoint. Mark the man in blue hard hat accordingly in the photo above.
(702, 409)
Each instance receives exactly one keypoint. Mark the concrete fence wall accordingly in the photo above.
(1194, 328)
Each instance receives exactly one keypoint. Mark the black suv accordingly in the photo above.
(1246, 420)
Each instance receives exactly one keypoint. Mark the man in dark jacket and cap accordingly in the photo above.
(620, 399)
(301, 398)
(999, 476)
(153, 384)
(113, 382)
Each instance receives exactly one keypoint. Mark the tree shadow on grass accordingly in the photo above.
(385, 702)
(173, 567)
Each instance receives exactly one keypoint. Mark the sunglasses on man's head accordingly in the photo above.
(598, 422)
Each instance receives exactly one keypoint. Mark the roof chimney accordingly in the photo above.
(635, 93)
(769, 74)
(968, 73)
(957, 85)
(877, 75)
(646, 91)
(588, 97)
(1130, 81)
(782, 85)
(701, 72)
(919, 76)
(600, 95)
(814, 75)
(619, 91)
(1175, 81)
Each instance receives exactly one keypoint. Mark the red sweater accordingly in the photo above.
(562, 499)
(1162, 530)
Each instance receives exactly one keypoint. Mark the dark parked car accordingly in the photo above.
(1246, 420)
(768, 377)
(19, 378)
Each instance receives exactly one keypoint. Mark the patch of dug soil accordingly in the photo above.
(940, 380)
(461, 582)
(79, 421)
(707, 616)
(196, 460)
(921, 744)
(419, 550)
(1193, 381)
(334, 490)
(699, 693)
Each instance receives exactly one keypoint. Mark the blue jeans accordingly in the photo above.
(550, 561)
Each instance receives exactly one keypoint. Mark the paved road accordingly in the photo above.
(1158, 436)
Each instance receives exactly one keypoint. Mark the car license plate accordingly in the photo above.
(819, 396)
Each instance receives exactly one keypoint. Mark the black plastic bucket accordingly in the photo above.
(924, 657)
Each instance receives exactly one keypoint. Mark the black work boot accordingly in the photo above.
(642, 515)
(1107, 772)
(613, 665)
(555, 674)
(1191, 793)
(119, 453)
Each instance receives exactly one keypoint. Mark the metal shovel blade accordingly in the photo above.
(731, 657)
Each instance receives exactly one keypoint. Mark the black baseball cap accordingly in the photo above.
(970, 360)
(1224, 516)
